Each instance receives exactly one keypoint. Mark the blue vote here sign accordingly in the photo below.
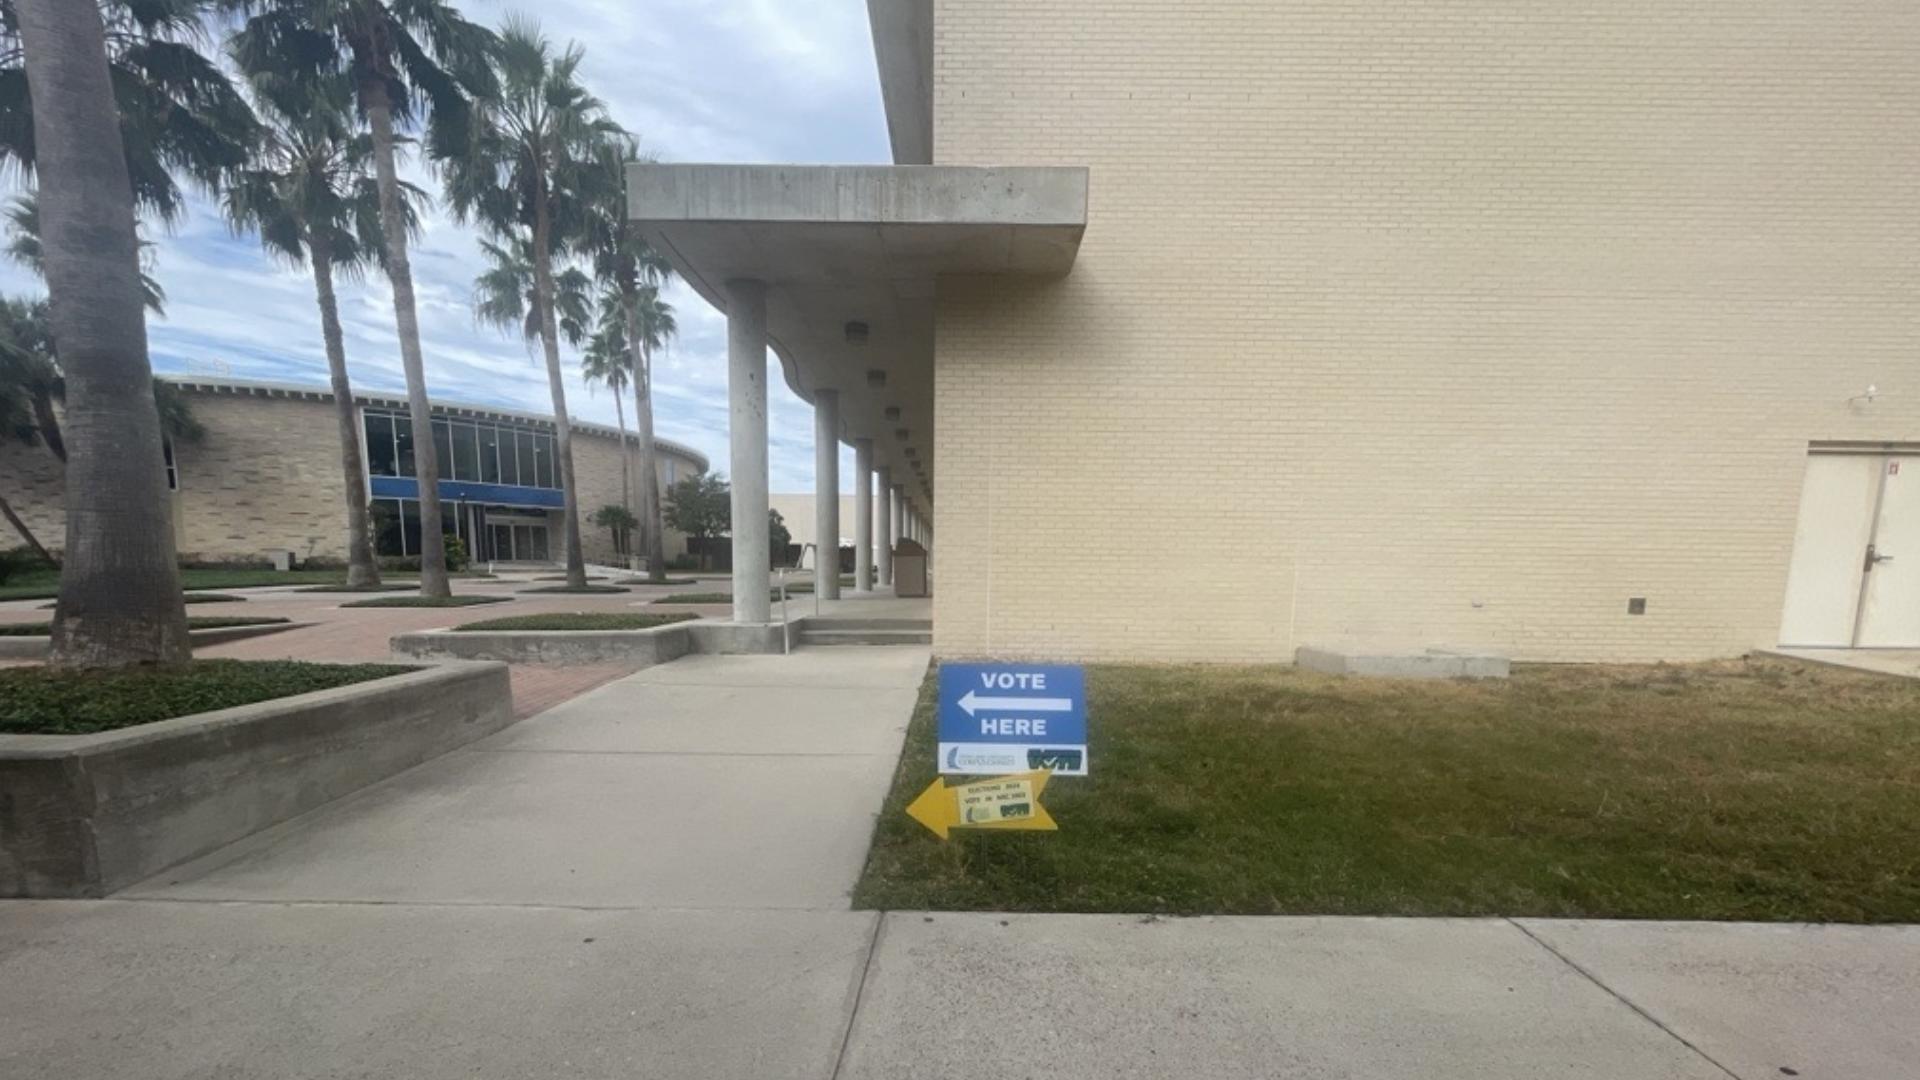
(1006, 718)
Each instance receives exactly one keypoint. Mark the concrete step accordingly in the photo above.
(866, 637)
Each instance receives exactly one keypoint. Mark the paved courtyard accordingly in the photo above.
(652, 880)
(358, 635)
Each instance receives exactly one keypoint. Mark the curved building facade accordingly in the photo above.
(265, 477)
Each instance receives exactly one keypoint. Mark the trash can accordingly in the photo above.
(283, 560)
(909, 569)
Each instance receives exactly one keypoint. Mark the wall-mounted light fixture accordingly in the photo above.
(876, 378)
(856, 333)
(901, 433)
(893, 412)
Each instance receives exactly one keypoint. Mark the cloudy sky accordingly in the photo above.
(696, 80)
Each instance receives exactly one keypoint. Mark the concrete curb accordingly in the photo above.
(640, 648)
(33, 648)
(85, 815)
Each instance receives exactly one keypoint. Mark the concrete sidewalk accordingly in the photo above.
(652, 881)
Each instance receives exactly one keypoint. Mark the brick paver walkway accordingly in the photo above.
(361, 635)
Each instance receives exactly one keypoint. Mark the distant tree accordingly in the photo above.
(700, 505)
(778, 536)
(619, 521)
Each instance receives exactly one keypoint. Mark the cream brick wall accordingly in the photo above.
(596, 468)
(266, 477)
(1454, 322)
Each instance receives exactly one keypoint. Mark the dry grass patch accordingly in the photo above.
(1752, 789)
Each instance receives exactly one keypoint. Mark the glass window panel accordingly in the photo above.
(540, 543)
(403, 444)
(543, 447)
(386, 527)
(529, 472)
(410, 524)
(489, 454)
(380, 457)
(443, 448)
(466, 452)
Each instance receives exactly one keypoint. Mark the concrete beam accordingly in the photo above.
(903, 50)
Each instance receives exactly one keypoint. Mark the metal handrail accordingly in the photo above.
(786, 626)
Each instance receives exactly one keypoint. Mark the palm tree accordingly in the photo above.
(311, 195)
(648, 325)
(631, 273)
(605, 361)
(178, 112)
(526, 174)
(505, 295)
(24, 247)
(120, 601)
(405, 58)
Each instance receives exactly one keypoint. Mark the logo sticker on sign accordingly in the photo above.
(1007, 718)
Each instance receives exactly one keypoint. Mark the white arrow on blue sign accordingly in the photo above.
(1005, 718)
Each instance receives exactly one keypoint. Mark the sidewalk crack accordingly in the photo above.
(859, 996)
(1623, 999)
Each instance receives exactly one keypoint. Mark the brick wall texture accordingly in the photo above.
(1445, 323)
(266, 477)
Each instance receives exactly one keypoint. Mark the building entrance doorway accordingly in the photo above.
(512, 537)
(1854, 581)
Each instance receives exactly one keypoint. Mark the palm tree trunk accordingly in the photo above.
(626, 473)
(120, 588)
(426, 464)
(362, 570)
(550, 343)
(48, 423)
(13, 519)
(652, 530)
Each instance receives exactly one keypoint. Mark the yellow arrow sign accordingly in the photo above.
(1005, 802)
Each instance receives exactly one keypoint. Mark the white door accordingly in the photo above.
(1890, 603)
(1829, 549)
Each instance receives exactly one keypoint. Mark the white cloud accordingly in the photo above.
(696, 80)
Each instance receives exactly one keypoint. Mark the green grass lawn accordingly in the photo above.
(579, 620)
(575, 590)
(668, 581)
(427, 601)
(196, 622)
(1760, 789)
(384, 586)
(41, 701)
(698, 598)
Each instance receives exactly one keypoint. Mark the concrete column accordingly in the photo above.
(747, 434)
(885, 491)
(896, 521)
(826, 494)
(863, 516)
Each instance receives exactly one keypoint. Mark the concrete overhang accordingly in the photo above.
(843, 245)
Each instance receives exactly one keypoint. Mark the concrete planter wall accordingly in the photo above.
(638, 648)
(84, 815)
(641, 648)
(33, 648)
